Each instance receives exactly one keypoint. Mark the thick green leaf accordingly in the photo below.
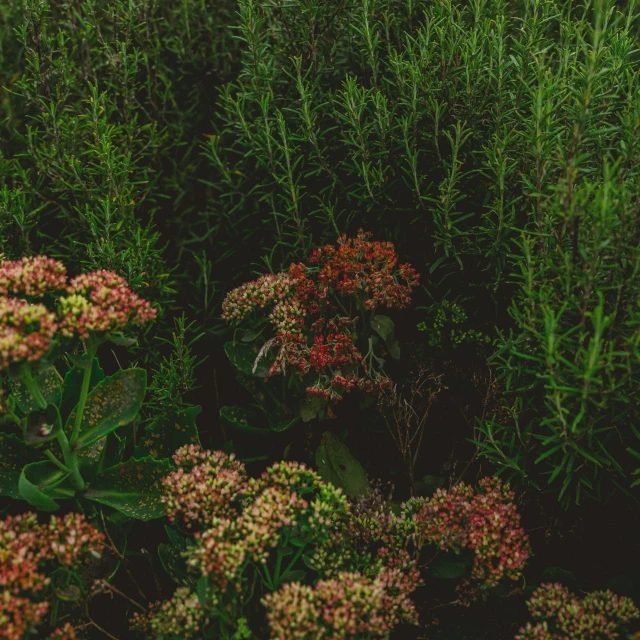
(394, 348)
(337, 466)
(48, 382)
(169, 432)
(284, 424)
(310, 407)
(112, 452)
(13, 456)
(113, 403)
(133, 487)
(558, 574)
(241, 419)
(73, 383)
(41, 483)
(383, 326)
(243, 356)
(450, 565)
(174, 564)
(42, 425)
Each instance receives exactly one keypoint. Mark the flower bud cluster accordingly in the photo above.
(101, 302)
(485, 521)
(206, 485)
(560, 614)
(26, 331)
(28, 551)
(98, 302)
(32, 277)
(347, 606)
(182, 617)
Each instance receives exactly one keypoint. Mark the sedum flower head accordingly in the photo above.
(28, 552)
(560, 614)
(183, 616)
(26, 331)
(101, 302)
(32, 276)
(205, 486)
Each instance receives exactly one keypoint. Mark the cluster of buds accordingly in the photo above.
(348, 606)
(313, 309)
(28, 552)
(367, 269)
(484, 521)
(560, 614)
(100, 302)
(206, 486)
(183, 616)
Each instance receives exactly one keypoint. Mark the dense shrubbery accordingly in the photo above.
(265, 180)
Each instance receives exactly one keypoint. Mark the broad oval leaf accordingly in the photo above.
(383, 326)
(133, 487)
(244, 357)
(14, 455)
(337, 466)
(241, 419)
(49, 385)
(114, 402)
(450, 565)
(73, 384)
(169, 432)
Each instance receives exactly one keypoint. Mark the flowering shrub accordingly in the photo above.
(484, 521)
(47, 321)
(560, 614)
(267, 537)
(38, 563)
(319, 323)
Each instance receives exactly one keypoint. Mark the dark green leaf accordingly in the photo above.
(169, 432)
(14, 454)
(41, 483)
(450, 565)
(49, 385)
(241, 419)
(174, 564)
(133, 487)
(295, 575)
(243, 356)
(113, 403)
(337, 466)
(310, 407)
(383, 326)
(394, 348)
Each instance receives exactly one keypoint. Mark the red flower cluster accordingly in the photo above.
(310, 311)
(560, 614)
(28, 551)
(370, 270)
(485, 521)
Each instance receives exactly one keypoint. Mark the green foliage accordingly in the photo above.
(337, 465)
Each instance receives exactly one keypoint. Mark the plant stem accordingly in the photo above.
(55, 461)
(71, 460)
(27, 378)
(84, 391)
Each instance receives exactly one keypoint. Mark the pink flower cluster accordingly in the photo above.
(206, 486)
(286, 495)
(28, 551)
(183, 616)
(98, 302)
(347, 606)
(600, 615)
(32, 277)
(101, 302)
(485, 521)
(26, 331)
